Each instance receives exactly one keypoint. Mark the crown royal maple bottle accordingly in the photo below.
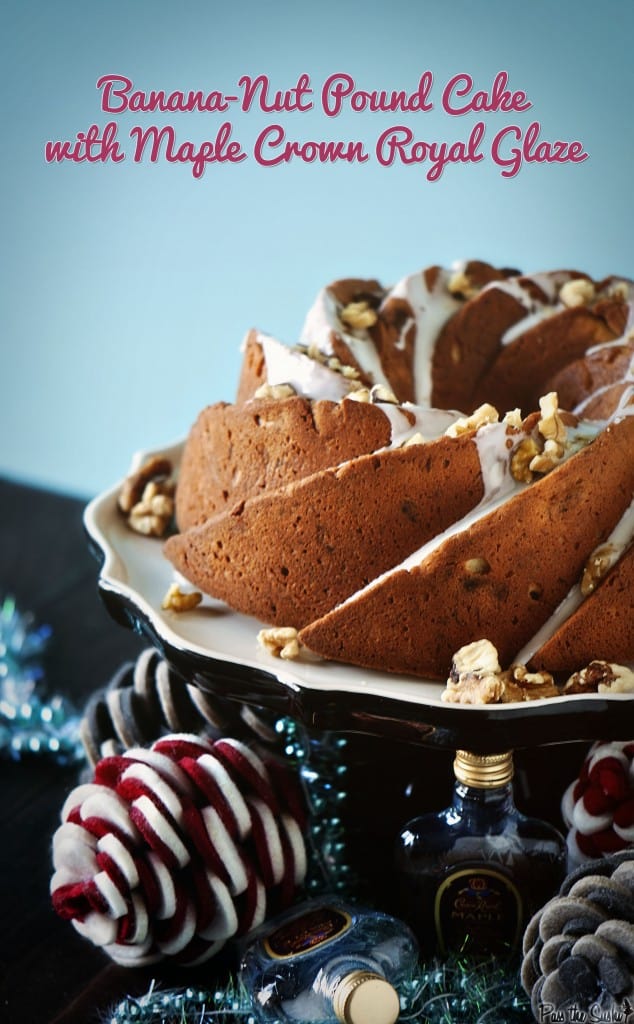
(470, 877)
(328, 961)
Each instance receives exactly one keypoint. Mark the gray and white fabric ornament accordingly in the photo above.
(578, 952)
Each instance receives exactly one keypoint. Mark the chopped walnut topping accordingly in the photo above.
(275, 391)
(477, 658)
(476, 678)
(483, 415)
(601, 677)
(623, 681)
(521, 460)
(344, 370)
(513, 418)
(379, 393)
(358, 315)
(619, 290)
(155, 469)
(147, 498)
(597, 566)
(534, 684)
(359, 395)
(460, 284)
(416, 438)
(476, 690)
(544, 451)
(548, 459)
(280, 641)
(177, 600)
(314, 352)
(551, 425)
(577, 293)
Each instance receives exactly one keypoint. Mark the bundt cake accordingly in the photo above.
(364, 489)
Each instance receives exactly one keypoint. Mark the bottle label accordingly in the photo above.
(478, 910)
(306, 932)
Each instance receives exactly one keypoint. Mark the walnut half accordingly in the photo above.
(177, 600)
(476, 678)
(280, 641)
(146, 498)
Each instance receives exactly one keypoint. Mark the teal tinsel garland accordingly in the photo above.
(322, 773)
(29, 724)
(452, 992)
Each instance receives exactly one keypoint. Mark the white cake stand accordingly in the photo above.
(218, 650)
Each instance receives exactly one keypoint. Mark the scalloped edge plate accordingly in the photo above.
(219, 650)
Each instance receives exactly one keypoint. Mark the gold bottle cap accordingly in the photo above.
(364, 997)
(483, 770)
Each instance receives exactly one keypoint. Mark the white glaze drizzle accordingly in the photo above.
(525, 324)
(308, 377)
(623, 339)
(549, 283)
(429, 423)
(315, 381)
(624, 407)
(537, 309)
(322, 322)
(430, 312)
(498, 484)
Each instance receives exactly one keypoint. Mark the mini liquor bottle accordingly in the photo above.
(327, 960)
(470, 877)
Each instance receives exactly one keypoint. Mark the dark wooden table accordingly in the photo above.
(49, 973)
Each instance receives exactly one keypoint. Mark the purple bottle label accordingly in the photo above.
(308, 931)
(478, 910)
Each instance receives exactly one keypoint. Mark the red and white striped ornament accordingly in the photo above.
(173, 850)
(598, 807)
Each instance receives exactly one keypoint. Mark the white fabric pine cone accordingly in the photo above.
(171, 851)
(147, 699)
(579, 948)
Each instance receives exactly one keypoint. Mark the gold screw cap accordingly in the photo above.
(364, 997)
(485, 771)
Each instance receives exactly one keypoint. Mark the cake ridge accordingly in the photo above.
(619, 540)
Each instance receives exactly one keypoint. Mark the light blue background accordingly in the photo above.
(126, 289)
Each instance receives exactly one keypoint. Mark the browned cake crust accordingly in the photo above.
(234, 452)
(397, 349)
(599, 375)
(535, 548)
(308, 546)
(603, 404)
(474, 363)
(468, 344)
(346, 291)
(601, 628)
(253, 370)
(394, 334)
(522, 368)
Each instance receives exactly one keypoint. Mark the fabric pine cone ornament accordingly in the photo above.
(598, 808)
(148, 698)
(172, 850)
(579, 948)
